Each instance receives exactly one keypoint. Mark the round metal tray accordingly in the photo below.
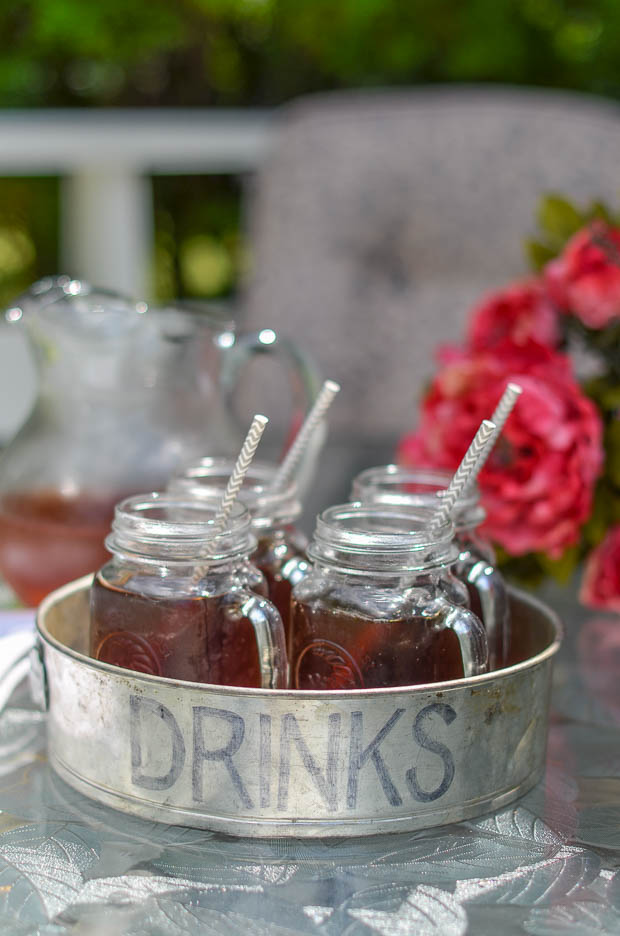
(258, 762)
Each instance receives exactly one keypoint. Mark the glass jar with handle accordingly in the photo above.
(280, 552)
(177, 600)
(371, 611)
(475, 564)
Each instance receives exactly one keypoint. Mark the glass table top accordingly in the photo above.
(547, 865)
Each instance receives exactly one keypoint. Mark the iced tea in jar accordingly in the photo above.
(280, 552)
(178, 599)
(475, 565)
(371, 611)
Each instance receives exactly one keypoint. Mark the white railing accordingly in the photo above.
(105, 159)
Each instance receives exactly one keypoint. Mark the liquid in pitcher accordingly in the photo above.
(48, 539)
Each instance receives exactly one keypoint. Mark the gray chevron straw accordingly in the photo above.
(286, 471)
(505, 406)
(467, 471)
(502, 411)
(234, 485)
(239, 472)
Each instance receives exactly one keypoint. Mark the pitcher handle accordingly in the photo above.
(270, 640)
(304, 376)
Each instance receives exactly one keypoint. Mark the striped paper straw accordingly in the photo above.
(287, 469)
(235, 483)
(506, 405)
(467, 471)
(502, 411)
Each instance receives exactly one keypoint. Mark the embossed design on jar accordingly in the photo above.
(131, 651)
(324, 664)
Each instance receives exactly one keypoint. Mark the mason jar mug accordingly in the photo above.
(280, 551)
(371, 611)
(475, 564)
(181, 600)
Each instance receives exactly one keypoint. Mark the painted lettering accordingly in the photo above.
(222, 754)
(139, 707)
(264, 760)
(326, 783)
(447, 713)
(358, 756)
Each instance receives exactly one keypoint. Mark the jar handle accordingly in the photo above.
(304, 376)
(270, 640)
(493, 598)
(472, 638)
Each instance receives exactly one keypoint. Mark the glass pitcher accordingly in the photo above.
(127, 394)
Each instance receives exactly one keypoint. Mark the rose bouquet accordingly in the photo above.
(551, 488)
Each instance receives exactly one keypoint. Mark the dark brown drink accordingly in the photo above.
(280, 553)
(203, 640)
(331, 648)
(475, 566)
(48, 538)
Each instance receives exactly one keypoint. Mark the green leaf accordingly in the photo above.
(598, 210)
(596, 527)
(610, 400)
(604, 391)
(524, 570)
(607, 342)
(538, 254)
(612, 448)
(558, 218)
(561, 569)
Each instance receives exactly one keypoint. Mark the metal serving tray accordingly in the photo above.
(258, 762)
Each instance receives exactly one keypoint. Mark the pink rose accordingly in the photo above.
(520, 312)
(537, 485)
(585, 279)
(600, 587)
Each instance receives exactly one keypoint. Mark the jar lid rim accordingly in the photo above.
(381, 477)
(256, 493)
(181, 536)
(397, 530)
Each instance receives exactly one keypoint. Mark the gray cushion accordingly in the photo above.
(381, 217)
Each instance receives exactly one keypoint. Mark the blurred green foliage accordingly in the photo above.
(198, 245)
(184, 52)
(58, 53)
(29, 221)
